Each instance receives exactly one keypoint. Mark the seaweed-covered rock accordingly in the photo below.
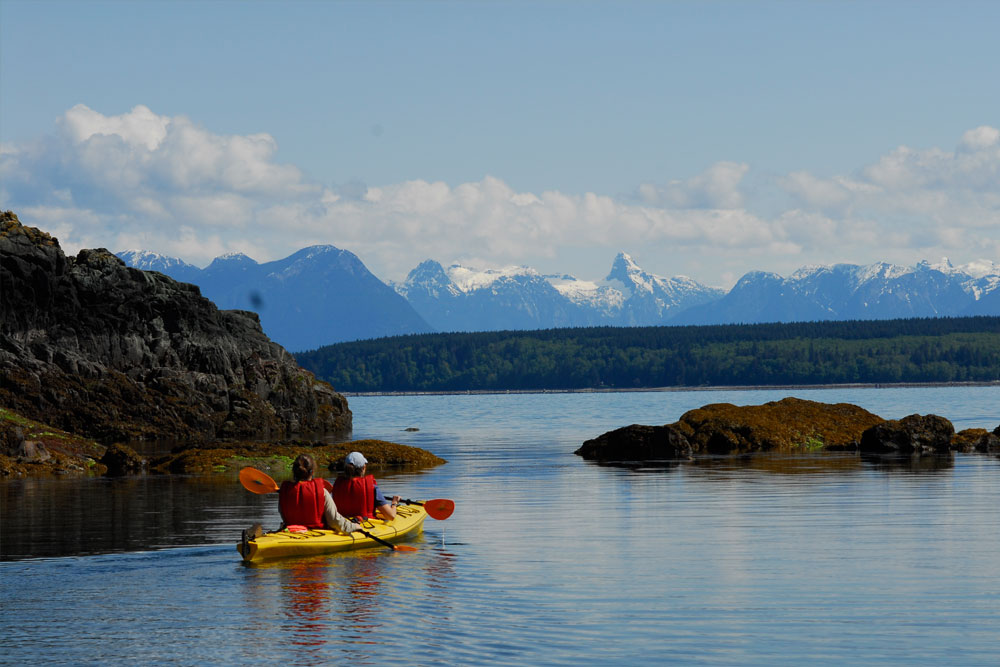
(122, 460)
(976, 440)
(637, 443)
(913, 435)
(94, 347)
(29, 447)
(791, 424)
(785, 425)
(277, 457)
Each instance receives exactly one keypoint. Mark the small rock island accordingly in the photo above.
(788, 425)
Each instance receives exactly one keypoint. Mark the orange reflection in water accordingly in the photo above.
(307, 601)
(350, 598)
(323, 597)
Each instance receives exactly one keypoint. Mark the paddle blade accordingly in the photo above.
(439, 508)
(404, 547)
(256, 481)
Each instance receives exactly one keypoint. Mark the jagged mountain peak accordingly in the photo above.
(427, 272)
(623, 268)
(429, 279)
(134, 254)
(146, 259)
(979, 268)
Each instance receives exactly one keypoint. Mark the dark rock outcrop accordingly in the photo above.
(976, 440)
(122, 460)
(791, 424)
(99, 349)
(637, 443)
(912, 435)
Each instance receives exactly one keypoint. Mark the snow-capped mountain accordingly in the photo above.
(464, 299)
(322, 295)
(151, 261)
(460, 298)
(314, 297)
(648, 299)
(849, 291)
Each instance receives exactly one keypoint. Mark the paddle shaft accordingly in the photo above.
(378, 539)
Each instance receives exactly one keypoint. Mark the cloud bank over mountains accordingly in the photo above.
(165, 183)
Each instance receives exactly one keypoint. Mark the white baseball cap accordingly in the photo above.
(356, 459)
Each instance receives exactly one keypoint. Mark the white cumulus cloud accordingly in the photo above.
(167, 184)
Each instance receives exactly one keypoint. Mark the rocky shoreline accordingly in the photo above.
(788, 425)
(94, 353)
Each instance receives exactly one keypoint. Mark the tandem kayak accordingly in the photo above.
(282, 544)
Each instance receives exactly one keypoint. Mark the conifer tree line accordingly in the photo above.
(843, 352)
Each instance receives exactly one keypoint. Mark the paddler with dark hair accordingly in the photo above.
(307, 501)
(357, 494)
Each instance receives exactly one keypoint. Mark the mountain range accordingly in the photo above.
(314, 297)
(323, 295)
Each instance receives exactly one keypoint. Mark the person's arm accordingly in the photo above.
(334, 519)
(384, 507)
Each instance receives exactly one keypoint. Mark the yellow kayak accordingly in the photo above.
(409, 521)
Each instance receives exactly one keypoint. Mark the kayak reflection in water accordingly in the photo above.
(357, 494)
(307, 501)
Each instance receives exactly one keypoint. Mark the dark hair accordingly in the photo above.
(303, 468)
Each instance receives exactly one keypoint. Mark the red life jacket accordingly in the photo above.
(355, 497)
(301, 503)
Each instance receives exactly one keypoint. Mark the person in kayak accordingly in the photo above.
(307, 501)
(357, 494)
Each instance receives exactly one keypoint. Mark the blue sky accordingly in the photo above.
(704, 138)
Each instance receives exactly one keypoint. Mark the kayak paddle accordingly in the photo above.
(439, 508)
(394, 547)
(258, 482)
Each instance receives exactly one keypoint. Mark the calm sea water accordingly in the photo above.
(548, 559)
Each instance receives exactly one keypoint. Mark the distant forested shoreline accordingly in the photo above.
(922, 350)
